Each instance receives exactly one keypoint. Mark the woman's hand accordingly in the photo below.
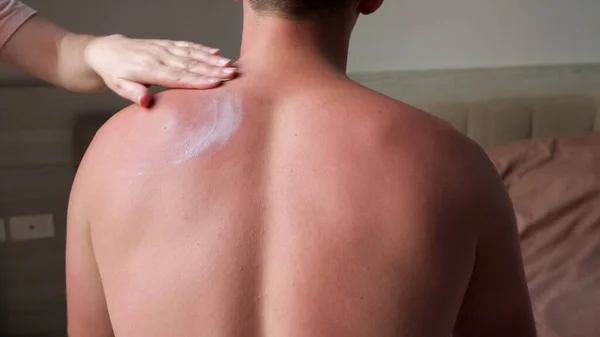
(128, 66)
(84, 63)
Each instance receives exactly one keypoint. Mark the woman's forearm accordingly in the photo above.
(73, 70)
(53, 54)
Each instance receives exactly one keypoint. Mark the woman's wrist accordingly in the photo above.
(73, 68)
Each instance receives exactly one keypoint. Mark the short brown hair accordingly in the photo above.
(297, 9)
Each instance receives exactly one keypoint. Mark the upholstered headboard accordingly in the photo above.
(500, 105)
(500, 121)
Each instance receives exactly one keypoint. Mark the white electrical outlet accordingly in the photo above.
(2, 231)
(31, 227)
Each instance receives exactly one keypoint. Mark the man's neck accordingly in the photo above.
(277, 43)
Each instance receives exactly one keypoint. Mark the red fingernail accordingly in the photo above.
(145, 100)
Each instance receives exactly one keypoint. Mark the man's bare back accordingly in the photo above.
(290, 202)
(330, 212)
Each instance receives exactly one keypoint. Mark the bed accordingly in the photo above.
(546, 147)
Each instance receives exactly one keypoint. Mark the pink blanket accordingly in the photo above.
(555, 188)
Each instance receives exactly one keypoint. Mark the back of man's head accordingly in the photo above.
(299, 9)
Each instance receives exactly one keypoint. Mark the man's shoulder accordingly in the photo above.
(407, 131)
(407, 119)
(138, 134)
(134, 123)
(415, 129)
(438, 156)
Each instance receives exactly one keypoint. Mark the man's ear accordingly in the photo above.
(367, 7)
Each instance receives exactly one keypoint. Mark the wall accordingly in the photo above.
(436, 34)
(36, 172)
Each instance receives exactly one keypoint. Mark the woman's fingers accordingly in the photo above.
(198, 54)
(132, 91)
(199, 67)
(172, 77)
(194, 59)
(185, 44)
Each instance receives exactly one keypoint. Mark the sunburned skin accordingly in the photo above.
(183, 139)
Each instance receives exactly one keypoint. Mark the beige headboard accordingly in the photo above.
(495, 122)
(500, 105)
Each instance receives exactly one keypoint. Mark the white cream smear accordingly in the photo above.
(203, 132)
(225, 117)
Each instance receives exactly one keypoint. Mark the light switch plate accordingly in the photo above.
(2, 231)
(31, 227)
